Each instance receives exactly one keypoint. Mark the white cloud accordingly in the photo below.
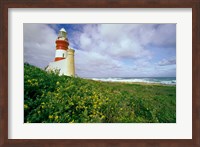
(170, 61)
(92, 64)
(114, 40)
(39, 44)
(85, 41)
(160, 35)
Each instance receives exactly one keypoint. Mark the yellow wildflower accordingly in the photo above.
(72, 121)
(50, 116)
(25, 106)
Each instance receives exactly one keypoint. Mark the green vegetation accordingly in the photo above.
(49, 98)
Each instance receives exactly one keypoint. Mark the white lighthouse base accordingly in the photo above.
(61, 67)
(64, 66)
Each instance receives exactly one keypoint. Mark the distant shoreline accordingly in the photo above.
(144, 81)
(140, 83)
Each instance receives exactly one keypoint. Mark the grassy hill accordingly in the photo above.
(49, 98)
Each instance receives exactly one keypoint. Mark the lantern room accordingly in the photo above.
(62, 34)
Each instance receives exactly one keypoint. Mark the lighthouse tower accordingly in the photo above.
(64, 56)
(61, 45)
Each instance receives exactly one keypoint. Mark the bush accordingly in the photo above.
(49, 98)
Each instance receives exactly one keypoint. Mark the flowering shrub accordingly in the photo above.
(49, 98)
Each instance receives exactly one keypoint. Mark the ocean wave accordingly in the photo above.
(139, 80)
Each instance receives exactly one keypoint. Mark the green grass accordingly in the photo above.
(49, 98)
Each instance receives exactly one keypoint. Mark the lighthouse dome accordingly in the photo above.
(62, 30)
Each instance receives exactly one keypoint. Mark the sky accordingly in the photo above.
(107, 50)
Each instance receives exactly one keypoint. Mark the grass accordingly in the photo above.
(49, 98)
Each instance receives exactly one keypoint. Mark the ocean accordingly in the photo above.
(155, 80)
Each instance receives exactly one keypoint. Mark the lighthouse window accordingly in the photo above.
(62, 34)
(63, 55)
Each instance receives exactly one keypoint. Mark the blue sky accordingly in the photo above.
(107, 50)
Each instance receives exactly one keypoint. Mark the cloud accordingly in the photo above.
(161, 35)
(92, 64)
(39, 44)
(119, 42)
(165, 62)
(114, 40)
(85, 41)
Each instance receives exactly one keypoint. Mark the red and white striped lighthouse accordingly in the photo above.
(64, 56)
(61, 45)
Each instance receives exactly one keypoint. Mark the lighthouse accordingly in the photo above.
(61, 45)
(64, 56)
